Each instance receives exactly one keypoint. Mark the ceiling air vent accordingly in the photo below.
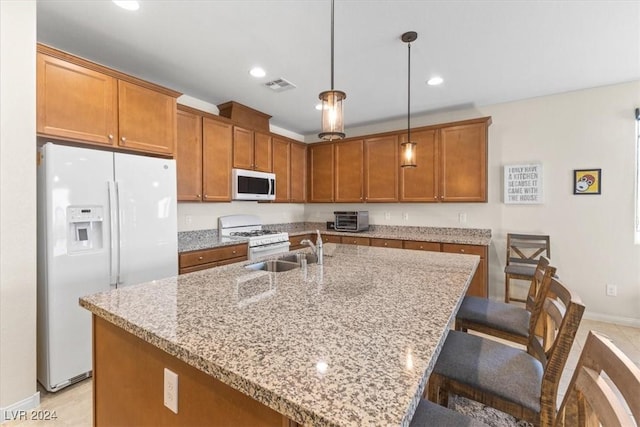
(280, 85)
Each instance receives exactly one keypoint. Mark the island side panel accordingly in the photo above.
(128, 388)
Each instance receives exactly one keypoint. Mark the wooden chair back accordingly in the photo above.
(561, 311)
(590, 400)
(543, 268)
(527, 248)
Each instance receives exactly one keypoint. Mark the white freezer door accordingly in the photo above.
(68, 177)
(148, 228)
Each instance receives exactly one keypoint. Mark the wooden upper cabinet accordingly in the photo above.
(420, 184)
(381, 169)
(147, 119)
(189, 156)
(251, 150)
(282, 168)
(217, 143)
(262, 152)
(349, 171)
(320, 181)
(463, 154)
(242, 148)
(75, 102)
(298, 171)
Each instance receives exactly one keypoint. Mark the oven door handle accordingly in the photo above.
(270, 247)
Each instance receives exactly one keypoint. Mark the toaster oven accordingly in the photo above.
(351, 220)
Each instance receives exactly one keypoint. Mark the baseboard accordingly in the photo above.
(626, 321)
(20, 410)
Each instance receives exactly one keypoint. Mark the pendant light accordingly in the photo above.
(332, 112)
(408, 148)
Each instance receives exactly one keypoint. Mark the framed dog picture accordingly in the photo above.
(587, 181)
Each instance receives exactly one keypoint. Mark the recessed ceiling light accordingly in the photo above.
(257, 72)
(435, 81)
(128, 4)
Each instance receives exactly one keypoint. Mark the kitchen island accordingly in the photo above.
(350, 342)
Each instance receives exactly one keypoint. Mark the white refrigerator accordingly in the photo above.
(105, 220)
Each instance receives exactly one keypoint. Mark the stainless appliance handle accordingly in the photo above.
(118, 243)
(270, 247)
(113, 225)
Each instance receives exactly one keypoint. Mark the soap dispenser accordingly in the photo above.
(319, 250)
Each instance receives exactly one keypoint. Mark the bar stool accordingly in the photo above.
(523, 252)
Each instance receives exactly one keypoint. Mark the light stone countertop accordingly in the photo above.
(351, 342)
(207, 239)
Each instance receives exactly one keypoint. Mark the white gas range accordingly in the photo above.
(261, 242)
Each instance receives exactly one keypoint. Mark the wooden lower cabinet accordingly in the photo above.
(421, 246)
(208, 258)
(386, 243)
(128, 388)
(479, 283)
(350, 240)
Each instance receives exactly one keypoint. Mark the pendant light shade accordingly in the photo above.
(408, 148)
(332, 109)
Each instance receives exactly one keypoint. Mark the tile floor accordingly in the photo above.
(73, 405)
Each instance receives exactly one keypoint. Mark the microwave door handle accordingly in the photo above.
(272, 187)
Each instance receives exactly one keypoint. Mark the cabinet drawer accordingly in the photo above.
(464, 249)
(363, 241)
(422, 246)
(206, 256)
(386, 243)
(184, 270)
(330, 238)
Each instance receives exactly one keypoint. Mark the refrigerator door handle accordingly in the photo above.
(113, 226)
(117, 241)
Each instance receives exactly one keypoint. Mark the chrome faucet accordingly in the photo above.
(317, 248)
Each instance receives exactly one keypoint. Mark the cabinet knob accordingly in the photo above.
(421, 247)
(385, 243)
(200, 258)
(110, 136)
(233, 252)
(198, 196)
(462, 250)
(123, 139)
(206, 197)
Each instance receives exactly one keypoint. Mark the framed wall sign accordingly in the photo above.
(587, 181)
(523, 184)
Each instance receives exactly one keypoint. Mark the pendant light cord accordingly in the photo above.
(409, 95)
(332, 1)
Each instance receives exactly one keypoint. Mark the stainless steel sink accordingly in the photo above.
(273, 265)
(311, 258)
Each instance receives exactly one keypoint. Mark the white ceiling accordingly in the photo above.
(486, 51)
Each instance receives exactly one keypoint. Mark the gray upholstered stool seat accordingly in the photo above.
(520, 270)
(496, 315)
(430, 414)
(488, 365)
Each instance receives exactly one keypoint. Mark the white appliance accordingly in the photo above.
(261, 242)
(105, 220)
(253, 185)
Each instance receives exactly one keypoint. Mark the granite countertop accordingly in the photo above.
(207, 239)
(350, 342)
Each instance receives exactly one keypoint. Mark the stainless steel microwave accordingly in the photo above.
(253, 185)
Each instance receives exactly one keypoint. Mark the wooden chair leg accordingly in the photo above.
(436, 392)
(506, 288)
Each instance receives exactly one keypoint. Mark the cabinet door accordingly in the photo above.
(262, 152)
(298, 172)
(463, 154)
(75, 103)
(349, 171)
(217, 142)
(321, 172)
(479, 286)
(189, 156)
(381, 169)
(420, 184)
(147, 119)
(281, 163)
(242, 148)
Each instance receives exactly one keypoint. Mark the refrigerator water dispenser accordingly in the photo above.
(84, 228)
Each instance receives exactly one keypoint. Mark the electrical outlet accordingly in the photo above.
(188, 219)
(405, 216)
(462, 217)
(171, 390)
(612, 290)
(387, 215)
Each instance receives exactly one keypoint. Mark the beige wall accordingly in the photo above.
(17, 206)
(592, 238)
